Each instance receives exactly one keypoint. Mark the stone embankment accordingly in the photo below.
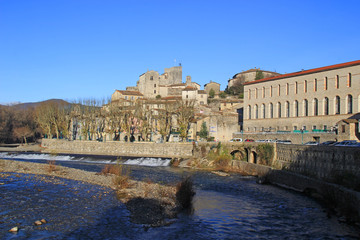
(115, 148)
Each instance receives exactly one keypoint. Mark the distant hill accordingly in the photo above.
(35, 104)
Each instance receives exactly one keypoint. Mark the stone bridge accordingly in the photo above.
(244, 151)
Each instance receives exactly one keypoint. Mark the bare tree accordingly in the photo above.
(184, 113)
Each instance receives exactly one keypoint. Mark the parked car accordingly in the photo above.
(328, 143)
(347, 143)
(284, 141)
(249, 140)
(313, 143)
(236, 140)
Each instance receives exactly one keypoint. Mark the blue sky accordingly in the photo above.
(78, 49)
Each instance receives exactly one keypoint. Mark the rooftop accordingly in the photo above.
(304, 72)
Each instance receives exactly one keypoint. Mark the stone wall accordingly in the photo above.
(295, 138)
(323, 162)
(140, 149)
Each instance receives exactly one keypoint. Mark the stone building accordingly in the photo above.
(150, 82)
(212, 85)
(311, 100)
(126, 96)
(194, 94)
(249, 76)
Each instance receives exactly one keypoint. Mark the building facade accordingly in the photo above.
(249, 76)
(310, 100)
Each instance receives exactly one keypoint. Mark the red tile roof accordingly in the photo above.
(314, 70)
(189, 88)
(131, 93)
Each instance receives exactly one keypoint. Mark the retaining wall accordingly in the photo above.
(115, 148)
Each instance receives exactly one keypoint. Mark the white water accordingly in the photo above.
(152, 162)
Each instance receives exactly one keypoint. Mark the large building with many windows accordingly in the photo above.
(310, 100)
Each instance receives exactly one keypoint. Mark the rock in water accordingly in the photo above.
(37, 223)
(43, 221)
(14, 229)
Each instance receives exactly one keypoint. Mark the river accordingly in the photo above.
(233, 207)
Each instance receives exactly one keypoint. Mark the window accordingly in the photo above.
(263, 92)
(342, 128)
(287, 106)
(337, 81)
(287, 89)
(270, 93)
(279, 109)
(349, 104)
(271, 110)
(296, 87)
(315, 85)
(349, 80)
(187, 96)
(279, 90)
(151, 78)
(263, 111)
(337, 105)
(154, 91)
(304, 128)
(249, 111)
(154, 85)
(316, 107)
(249, 94)
(256, 93)
(256, 110)
(296, 107)
(325, 83)
(325, 127)
(326, 106)
(126, 97)
(295, 128)
(132, 97)
(306, 107)
(314, 127)
(305, 86)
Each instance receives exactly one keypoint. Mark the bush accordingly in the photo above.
(266, 153)
(51, 166)
(185, 193)
(221, 157)
(121, 175)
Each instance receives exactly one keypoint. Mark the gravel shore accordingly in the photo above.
(149, 203)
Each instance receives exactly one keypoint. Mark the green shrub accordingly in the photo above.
(266, 153)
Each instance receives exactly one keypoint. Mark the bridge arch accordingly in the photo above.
(252, 157)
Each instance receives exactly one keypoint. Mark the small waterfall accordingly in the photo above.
(153, 162)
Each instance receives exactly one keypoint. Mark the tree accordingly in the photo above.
(211, 93)
(23, 133)
(237, 88)
(184, 114)
(259, 75)
(203, 131)
(222, 95)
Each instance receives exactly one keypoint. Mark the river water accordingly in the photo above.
(233, 207)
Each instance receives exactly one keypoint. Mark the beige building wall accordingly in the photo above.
(316, 98)
(212, 85)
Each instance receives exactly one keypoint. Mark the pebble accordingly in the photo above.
(43, 221)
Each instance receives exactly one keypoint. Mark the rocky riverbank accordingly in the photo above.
(154, 203)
